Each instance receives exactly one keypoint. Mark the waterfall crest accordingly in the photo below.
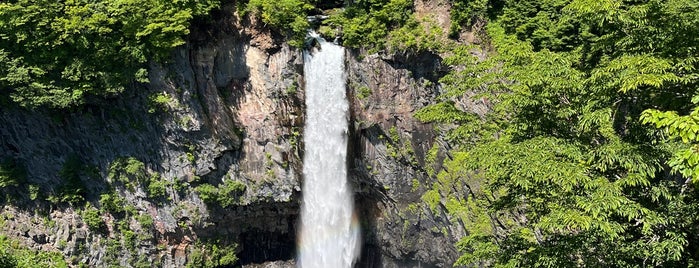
(329, 236)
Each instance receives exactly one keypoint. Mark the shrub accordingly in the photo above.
(145, 220)
(112, 202)
(417, 35)
(212, 255)
(157, 187)
(225, 195)
(230, 192)
(91, 217)
(11, 173)
(72, 189)
(289, 16)
(367, 23)
(363, 92)
(208, 193)
(12, 254)
(159, 102)
(126, 169)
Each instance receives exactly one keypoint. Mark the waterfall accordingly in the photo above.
(329, 236)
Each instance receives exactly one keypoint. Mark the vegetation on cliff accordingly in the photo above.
(588, 155)
(61, 54)
(576, 164)
(13, 254)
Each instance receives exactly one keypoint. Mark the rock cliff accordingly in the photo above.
(206, 160)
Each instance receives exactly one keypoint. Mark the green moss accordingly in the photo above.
(415, 185)
(363, 92)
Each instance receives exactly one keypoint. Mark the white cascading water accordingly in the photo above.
(329, 236)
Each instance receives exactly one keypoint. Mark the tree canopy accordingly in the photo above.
(587, 155)
(60, 54)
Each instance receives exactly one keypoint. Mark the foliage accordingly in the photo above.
(145, 220)
(126, 169)
(159, 102)
(466, 12)
(208, 193)
(226, 194)
(11, 173)
(72, 189)
(212, 255)
(112, 202)
(363, 92)
(91, 217)
(417, 35)
(286, 15)
(685, 160)
(366, 23)
(12, 254)
(131, 172)
(7, 260)
(157, 187)
(562, 171)
(60, 54)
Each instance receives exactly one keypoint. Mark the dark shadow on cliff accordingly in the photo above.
(425, 65)
(261, 233)
(367, 210)
(368, 195)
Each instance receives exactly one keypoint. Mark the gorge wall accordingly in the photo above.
(207, 156)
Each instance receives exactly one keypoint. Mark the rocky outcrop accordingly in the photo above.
(227, 108)
(219, 129)
(389, 155)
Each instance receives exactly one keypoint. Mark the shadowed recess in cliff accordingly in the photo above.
(329, 234)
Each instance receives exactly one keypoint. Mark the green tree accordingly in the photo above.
(562, 171)
(367, 23)
(60, 54)
(289, 16)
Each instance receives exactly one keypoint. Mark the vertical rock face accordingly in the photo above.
(389, 149)
(225, 113)
(226, 110)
